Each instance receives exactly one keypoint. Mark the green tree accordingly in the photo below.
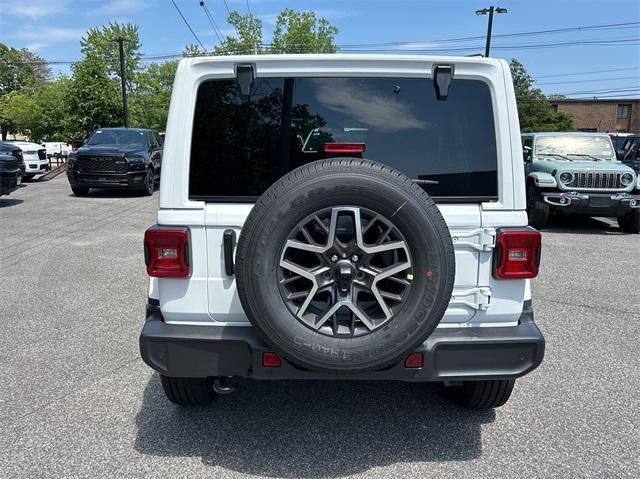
(294, 32)
(303, 32)
(41, 70)
(193, 50)
(248, 38)
(149, 106)
(23, 112)
(534, 109)
(101, 43)
(94, 93)
(57, 118)
(93, 97)
(15, 75)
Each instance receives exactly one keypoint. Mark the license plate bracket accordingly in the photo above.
(599, 202)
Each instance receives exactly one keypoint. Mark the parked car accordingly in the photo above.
(56, 149)
(9, 148)
(35, 158)
(10, 172)
(129, 158)
(627, 152)
(578, 173)
(413, 264)
(618, 139)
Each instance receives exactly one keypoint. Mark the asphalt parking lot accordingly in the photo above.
(76, 399)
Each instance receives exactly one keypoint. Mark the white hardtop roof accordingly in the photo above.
(339, 57)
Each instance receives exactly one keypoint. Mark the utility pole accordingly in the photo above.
(125, 108)
(491, 10)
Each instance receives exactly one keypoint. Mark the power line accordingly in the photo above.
(589, 81)
(610, 26)
(625, 96)
(589, 72)
(625, 41)
(212, 22)
(226, 6)
(601, 91)
(189, 26)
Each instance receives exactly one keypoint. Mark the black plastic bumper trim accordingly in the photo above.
(591, 201)
(454, 354)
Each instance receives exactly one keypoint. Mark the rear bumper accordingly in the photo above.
(133, 179)
(448, 354)
(605, 204)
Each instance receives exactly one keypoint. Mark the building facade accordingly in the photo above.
(606, 115)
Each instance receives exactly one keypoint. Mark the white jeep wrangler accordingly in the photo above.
(342, 217)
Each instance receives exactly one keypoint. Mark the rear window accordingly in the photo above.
(240, 146)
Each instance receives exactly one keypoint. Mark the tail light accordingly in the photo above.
(413, 361)
(271, 360)
(166, 252)
(517, 254)
(344, 148)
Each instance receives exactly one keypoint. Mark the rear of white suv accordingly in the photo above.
(351, 217)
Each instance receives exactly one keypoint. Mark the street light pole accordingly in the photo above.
(491, 10)
(125, 109)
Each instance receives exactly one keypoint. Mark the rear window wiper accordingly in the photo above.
(588, 156)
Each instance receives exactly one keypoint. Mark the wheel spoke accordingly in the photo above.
(392, 296)
(384, 235)
(307, 236)
(299, 294)
(379, 277)
(306, 247)
(401, 281)
(321, 223)
(290, 279)
(345, 272)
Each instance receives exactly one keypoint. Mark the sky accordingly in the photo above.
(53, 28)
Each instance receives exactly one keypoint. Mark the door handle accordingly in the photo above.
(228, 244)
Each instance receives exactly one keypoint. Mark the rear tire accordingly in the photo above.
(537, 211)
(371, 335)
(486, 394)
(79, 191)
(149, 183)
(630, 223)
(188, 392)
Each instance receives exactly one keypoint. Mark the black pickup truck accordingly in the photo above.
(11, 167)
(129, 158)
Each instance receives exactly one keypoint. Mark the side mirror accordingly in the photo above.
(526, 153)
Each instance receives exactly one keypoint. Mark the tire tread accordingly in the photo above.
(188, 392)
(483, 394)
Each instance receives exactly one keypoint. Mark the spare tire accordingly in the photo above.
(345, 266)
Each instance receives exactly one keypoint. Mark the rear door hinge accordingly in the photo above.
(475, 298)
(481, 239)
